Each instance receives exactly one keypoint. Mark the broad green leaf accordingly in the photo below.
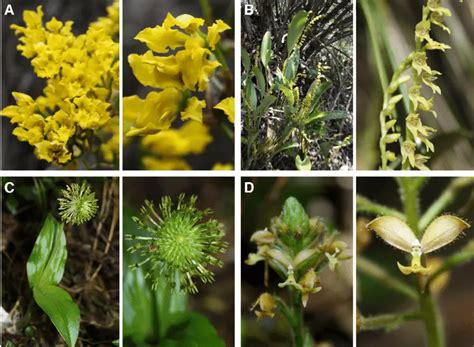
(250, 94)
(260, 80)
(60, 308)
(266, 49)
(264, 105)
(290, 97)
(290, 68)
(47, 260)
(303, 164)
(324, 116)
(245, 59)
(191, 330)
(315, 92)
(295, 29)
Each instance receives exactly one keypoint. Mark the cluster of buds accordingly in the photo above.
(297, 248)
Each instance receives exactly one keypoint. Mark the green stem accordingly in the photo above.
(432, 319)
(409, 187)
(368, 206)
(298, 327)
(378, 273)
(444, 200)
(387, 321)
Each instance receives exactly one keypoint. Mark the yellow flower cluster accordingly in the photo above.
(181, 60)
(76, 110)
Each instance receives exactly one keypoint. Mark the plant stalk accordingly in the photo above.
(298, 326)
(432, 319)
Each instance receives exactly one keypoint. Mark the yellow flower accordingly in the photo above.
(161, 38)
(192, 138)
(193, 109)
(186, 22)
(52, 151)
(441, 231)
(151, 163)
(309, 285)
(153, 114)
(194, 64)
(267, 304)
(81, 84)
(156, 71)
(222, 167)
(213, 32)
(228, 106)
(89, 113)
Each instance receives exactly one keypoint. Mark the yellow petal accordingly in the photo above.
(161, 39)
(193, 109)
(186, 22)
(228, 106)
(213, 32)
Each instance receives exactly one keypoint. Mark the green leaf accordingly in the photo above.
(295, 29)
(47, 260)
(315, 92)
(251, 95)
(290, 96)
(191, 330)
(265, 104)
(245, 59)
(290, 67)
(324, 116)
(261, 84)
(303, 164)
(266, 49)
(60, 308)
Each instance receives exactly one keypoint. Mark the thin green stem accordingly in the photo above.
(368, 206)
(409, 188)
(444, 200)
(298, 327)
(206, 11)
(433, 321)
(374, 39)
(457, 259)
(387, 321)
(378, 273)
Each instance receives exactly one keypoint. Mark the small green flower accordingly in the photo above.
(78, 204)
(181, 245)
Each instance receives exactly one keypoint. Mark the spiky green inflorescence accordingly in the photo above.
(181, 246)
(78, 204)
